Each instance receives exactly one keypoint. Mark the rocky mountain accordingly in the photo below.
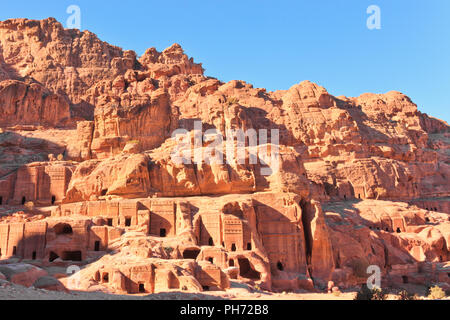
(86, 174)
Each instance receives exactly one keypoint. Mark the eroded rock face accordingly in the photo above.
(358, 181)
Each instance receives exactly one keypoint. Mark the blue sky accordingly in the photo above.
(276, 44)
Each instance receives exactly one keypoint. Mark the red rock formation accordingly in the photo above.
(361, 181)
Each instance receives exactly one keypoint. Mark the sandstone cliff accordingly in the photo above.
(361, 180)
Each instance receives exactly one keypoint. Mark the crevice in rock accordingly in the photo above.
(306, 223)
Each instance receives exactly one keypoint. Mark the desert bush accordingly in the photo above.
(405, 295)
(336, 293)
(29, 205)
(370, 294)
(168, 250)
(232, 101)
(436, 293)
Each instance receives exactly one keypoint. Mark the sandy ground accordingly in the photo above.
(10, 291)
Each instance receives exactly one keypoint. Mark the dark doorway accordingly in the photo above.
(280, 266)
(53, 199)
(231, 263)
(211, 260)
(14, 250)
(398, 230)
(246, 270)
(97, 246)
(210, 242)
(205, 288)
(104, 192)
(53, 257)
(72, 256)
(405, 279)
(128, 222)
(33, 257)
(110, 222)
(162, 233)
(1, 201)
(249, 246)
(142, 288)
(63, 228)
(105, 277)
(191, 253)
(233, 247)
(24, 200)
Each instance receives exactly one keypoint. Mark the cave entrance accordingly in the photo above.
(110, 222)
(53, 257)
(191, 253)
(398, 230)
(33, 256)
(233, 247)
(105, 278)
(246, 270)
(1, 201)
(211, 260)
(63, 228)
(53, 200)
(24, 200)
(210, 242)
(97, 246)
(249, 246)
(128, 222)
(405, 279)
(231, 263)
(72, 256)
(280, 266)
(14, 250)
(142, 288)
(162, 233)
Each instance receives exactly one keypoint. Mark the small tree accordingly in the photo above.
(380, 192)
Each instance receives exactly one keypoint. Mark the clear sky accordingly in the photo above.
(276, 44)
